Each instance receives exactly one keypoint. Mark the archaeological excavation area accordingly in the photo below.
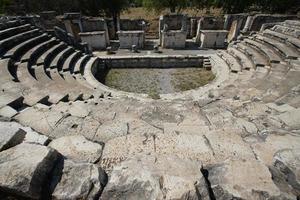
(207, 110)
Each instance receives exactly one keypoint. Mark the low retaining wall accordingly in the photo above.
(176, 61)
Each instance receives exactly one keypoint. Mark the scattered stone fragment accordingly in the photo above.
(8, 112)
(291, 118)
(24, 169)
(10, 135)
(286, 169)
(77, 148)
(77, 181)
(280, 108)
(34, 137)
(242, 179)
(151, 177)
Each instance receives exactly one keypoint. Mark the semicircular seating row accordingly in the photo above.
(38, 67)
(269, 61)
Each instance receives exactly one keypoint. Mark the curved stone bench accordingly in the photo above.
(231, 61)
(288, 51)
(47, 55)
(273, 57)
(31, 54)
(16, 39)
(79, 66)
(19, 50)
(258, 59)
(246, 62)
(59, 58)
(283, 37)
(14, 31)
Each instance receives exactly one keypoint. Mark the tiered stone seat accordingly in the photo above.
(14, 31)
(235, 127)
(282, 37)
(38, 66)
(16, 39)
(25, 46)
(232, 62)
(245, 61)
(268, 52)
(294, 32)
(288, 51)
(258, 59)
(78, 68)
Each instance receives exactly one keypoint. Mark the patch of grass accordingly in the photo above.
(153, 93)
(156, 81)
(188, 79)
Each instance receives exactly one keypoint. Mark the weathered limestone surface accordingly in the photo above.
(77, 148)
(156, 177)
(173, 39)
(286, 170)
(243, 127)
(24, 169)
(34, 137)
(77, 181)
(10, 135)
(129, 38)
(242, 179)
(212, 38)
(96, 40)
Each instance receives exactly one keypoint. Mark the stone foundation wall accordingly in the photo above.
(96, 40)
(213, 38)
(153, 61)
(129, 38)
(173, 39)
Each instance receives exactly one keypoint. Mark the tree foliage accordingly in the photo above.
(172, 5)
(114, 7)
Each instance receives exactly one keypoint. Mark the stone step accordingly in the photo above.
(79, 66)
(66, 84)
(69, 63)
(11, 24)
(59, 58)
(17, 39)
(266, 50)
(45, 58)
(288, 51)
(33, 53)
(82, 81)
(8, 112)
(19, 50)
(4, 69)
(14, 31)
(283, 37)
(86, 92)
(231, 61)
(292, 23)
(258, 59)
(287, 31)
(7, 98)
(244, 59)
